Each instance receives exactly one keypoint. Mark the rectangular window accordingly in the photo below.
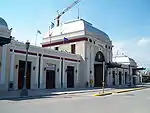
(73, 47)
(56, 48)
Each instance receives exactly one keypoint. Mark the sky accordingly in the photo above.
(127, 22)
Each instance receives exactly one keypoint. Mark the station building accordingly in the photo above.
(73, 55)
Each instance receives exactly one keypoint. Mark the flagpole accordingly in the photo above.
(49, 37)
(36, 38)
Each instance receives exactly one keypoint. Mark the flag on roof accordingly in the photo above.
(66, 39)
(38, 31)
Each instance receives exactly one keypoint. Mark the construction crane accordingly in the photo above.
(65, 10)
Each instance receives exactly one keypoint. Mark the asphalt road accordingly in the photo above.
(132, 102)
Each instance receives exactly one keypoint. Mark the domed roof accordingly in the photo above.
(78, 25)
(5, 33)
(3, 22)
(123, 59)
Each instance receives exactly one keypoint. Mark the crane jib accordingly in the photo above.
(65, 10)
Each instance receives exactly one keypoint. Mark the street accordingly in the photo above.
(131, 102)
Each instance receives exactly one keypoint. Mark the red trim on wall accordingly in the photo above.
(24, 52)
(65, 42)
(72, 59)
(56, 57)
(48, 56)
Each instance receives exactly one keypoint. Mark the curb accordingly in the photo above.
(128, 90)
(103, 94)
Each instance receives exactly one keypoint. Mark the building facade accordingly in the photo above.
(75, 54)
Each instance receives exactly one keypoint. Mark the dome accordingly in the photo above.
(78, 25)
(5, 33)
(124, 60)
(3, 22)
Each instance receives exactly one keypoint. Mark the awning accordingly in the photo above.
(139, 68)
(113, 65)
(4, 41)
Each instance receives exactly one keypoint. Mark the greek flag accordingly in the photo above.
(38, 31)
(66, 39)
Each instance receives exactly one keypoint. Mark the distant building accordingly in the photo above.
(146, 76)
(128, 70)
(75, 54)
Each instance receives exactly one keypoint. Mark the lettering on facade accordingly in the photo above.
(50, 66)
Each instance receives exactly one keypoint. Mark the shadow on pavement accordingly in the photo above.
(51, 93)
(30, 97)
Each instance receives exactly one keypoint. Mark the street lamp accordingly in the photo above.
(103, 76)
(24, 91)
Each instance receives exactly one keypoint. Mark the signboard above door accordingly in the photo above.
(50, 66)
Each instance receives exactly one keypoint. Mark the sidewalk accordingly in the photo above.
(48, 92)
(51, 92)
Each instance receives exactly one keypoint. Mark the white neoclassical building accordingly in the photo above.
(76, 54)
(127, 73)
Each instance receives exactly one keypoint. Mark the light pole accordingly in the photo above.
(103, 75)
(24, 91)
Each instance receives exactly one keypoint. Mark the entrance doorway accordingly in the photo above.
(21, 73)
(113, 77)
(50, 79)
(98, 75)
(134, 80)
(70, 76)
(120, 79)
(125, 77)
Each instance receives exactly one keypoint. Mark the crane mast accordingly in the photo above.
(65, 10)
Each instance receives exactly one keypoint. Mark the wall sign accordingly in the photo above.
(50, 66)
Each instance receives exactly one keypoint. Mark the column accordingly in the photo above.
(64, 83)
(41, 73)
(77, 74)
(88, 66)
(110, 77)
(117, 77)
(60, 72)
(12, 61)
(37, 71)
(123, 79)
(103, 75)
(3, 68)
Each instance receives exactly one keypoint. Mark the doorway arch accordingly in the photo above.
(98, 69)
